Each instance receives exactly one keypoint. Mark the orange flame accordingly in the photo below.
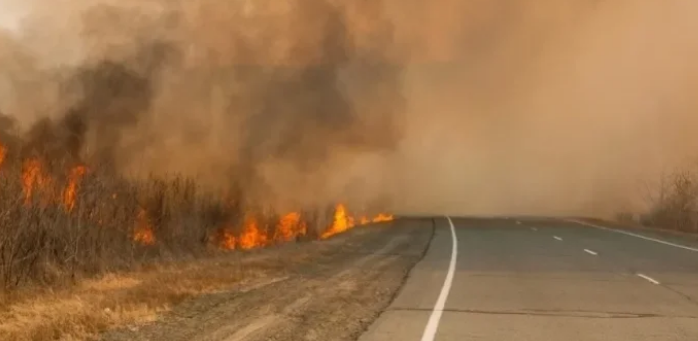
(341, 222)
(32, 175)
(143, 233)
(228, 240)
(290, 226)
(3, 153)
(70, 192)
(252, 237)
(382, 217)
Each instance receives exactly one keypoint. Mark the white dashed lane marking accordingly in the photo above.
(590, 252)
(650, 279)
(688, 248)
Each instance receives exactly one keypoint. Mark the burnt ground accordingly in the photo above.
(324, 290)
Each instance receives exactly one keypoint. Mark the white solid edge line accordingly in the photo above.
(650, 279)
(558, 238)
(590, 252)
(637, 236)
(433, 324)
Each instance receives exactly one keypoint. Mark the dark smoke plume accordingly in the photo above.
(275, 98)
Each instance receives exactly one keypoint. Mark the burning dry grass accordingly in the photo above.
(66, 223)
(3, 151)
(62, 221)
(343, 221)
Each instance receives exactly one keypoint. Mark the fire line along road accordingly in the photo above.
(439, 278)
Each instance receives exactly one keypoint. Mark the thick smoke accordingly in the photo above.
(274, 98)
(549, 107)
(445, 106)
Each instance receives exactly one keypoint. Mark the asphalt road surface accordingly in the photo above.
(528, 279)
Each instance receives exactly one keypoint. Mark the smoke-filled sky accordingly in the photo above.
(443, 106)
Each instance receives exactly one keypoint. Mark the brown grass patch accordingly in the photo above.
(83, 311)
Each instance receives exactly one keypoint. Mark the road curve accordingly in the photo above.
(545, 279)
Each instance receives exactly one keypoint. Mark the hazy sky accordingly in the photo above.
(9, 14)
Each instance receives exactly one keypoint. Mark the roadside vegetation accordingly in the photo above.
(63, 222)
(674, 203)
(83, 249)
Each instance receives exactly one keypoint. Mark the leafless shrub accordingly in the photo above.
(675, 205)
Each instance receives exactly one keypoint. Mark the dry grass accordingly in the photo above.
(83, 249)
(82, 252)
(93, 306)
(108, 223)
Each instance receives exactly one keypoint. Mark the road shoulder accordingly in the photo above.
(407, 316)
(330, 290)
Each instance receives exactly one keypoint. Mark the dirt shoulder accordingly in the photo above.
(330, 290)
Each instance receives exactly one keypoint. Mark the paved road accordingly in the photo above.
(546, 280)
